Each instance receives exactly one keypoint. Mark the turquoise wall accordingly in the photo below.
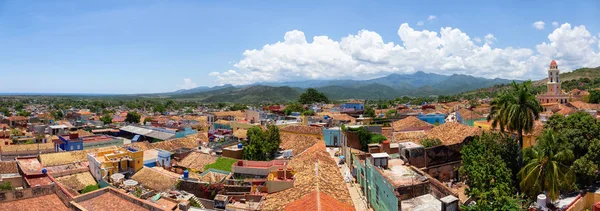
(329, 136)
(381, 192)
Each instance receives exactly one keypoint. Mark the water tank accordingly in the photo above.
(44, 171)
(596, 206)
(186, 174)
(240, 145)
(541, 202)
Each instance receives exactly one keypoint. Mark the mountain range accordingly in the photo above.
(387, 87)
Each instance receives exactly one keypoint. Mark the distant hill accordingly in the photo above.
(567, 79)
(388, 87)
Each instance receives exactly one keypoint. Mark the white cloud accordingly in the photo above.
(539, 25)
(420, 23)
(188, 84)
(431, 17)
(447, 51)
(555, 24)
(490, 39)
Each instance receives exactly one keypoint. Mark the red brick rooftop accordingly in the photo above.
(46, 202)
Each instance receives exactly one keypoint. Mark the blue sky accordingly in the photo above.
(153, 46)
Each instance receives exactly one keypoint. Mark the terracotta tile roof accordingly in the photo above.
(61, 158)
(296, 142)
(45, 202)
(154, 179)
(565, 110)
(468, 114)
(302, 129)
(329, 180)
(8, 167)
(223, 122)
(142, 145)
(584, 106)
(104, 200)
(452, 132)
(77, 181)
(316, 200)
(18, 118)
(240, 133)
(409, 136)
(27, 147)
(409, 122)
(236, 114)
(196, 160)
(338, 116)
(190, 141)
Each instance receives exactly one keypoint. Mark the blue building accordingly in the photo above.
(70, 143)
(433, 118)
(185, 132)
(332, 136)
(354, 104)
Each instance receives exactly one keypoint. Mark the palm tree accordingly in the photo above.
(547, 167)
(515, 111)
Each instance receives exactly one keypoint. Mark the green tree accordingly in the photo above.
(579, 130)
(106, 119)
(430, 142)
(133, 117)
(595, 96)
(19, 106)
(89, 188)
(254, 145)
(486, 168)
(547, 167)
(308, 113)
(369, 112)
(58, 115)
(6, 186)
(159, 108)
(272, 140)
(515, 111)
(293, 108)
(23, 113)
(238, 107)
(5, 111)
(391, 113)
(312, 96)
(586, 168)
(148, 119)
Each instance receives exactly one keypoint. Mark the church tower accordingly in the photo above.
(553, 79)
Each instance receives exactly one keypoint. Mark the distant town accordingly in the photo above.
(519, 146)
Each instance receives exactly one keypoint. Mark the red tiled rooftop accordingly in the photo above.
(30, 165)
(41, 181)
(553, 63)
(46, 202)
(109, 201)
(311, 202)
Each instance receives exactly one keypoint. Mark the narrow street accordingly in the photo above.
(358, 199)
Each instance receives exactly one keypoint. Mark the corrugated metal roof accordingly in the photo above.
(136, 130)
(160, 135)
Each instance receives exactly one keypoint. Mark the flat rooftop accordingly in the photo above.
(111, 199)
(46, 202)
(422, 203)
(400, 175)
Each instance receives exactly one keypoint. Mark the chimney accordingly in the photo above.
(74, 135)
(385, 145)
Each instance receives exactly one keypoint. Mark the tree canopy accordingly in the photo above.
(106, 119)
(515, 110)
(133, 117)
(261, 145)
(312, 96)
(488, 167)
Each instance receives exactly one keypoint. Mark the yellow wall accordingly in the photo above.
(585, 202)
(136, 162)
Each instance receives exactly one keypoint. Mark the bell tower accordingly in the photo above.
(554, 79)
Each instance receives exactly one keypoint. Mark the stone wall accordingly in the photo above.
(11, 195)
